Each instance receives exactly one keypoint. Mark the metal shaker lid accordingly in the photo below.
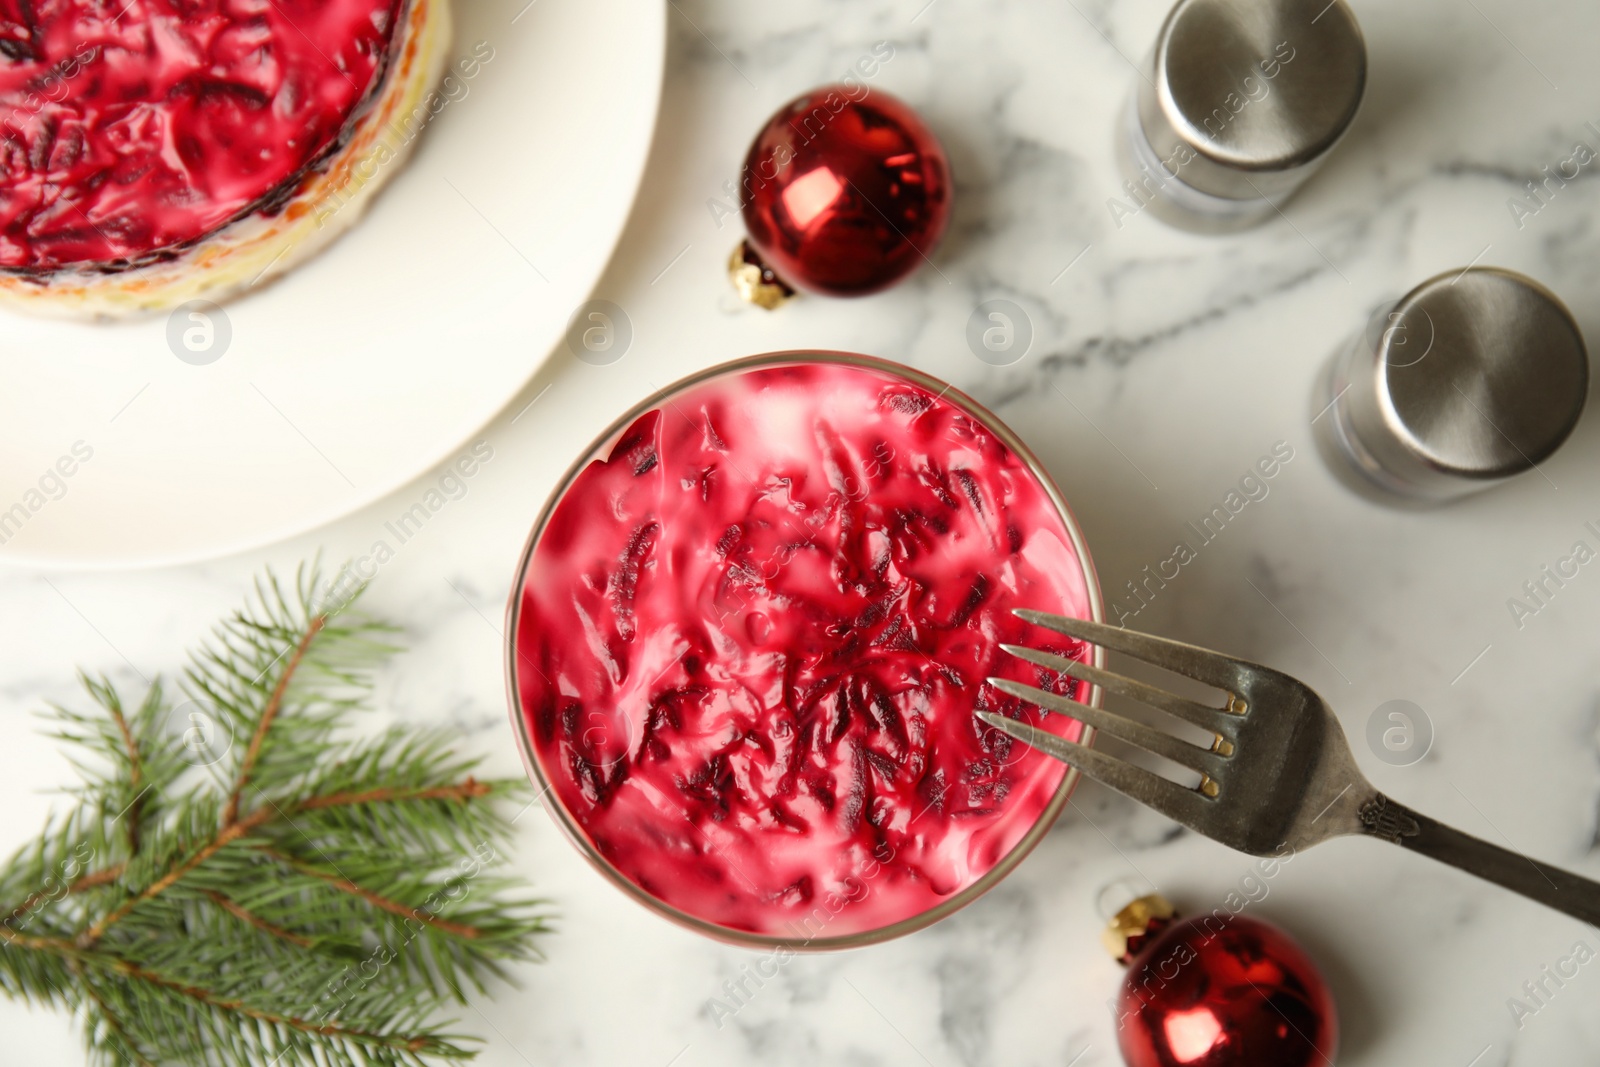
(1471, 377)
(1242, 98)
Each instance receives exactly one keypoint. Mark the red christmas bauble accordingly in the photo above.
(1225, 991)
(845, 191)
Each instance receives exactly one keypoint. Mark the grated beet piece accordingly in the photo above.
(796, 894)
(907, 402)
(975, 596)
(637, 447)
(624, 583)
(883, 765)
(854, 803)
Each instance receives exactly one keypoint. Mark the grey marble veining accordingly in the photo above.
(1163, 365)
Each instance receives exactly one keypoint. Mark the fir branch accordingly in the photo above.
(234, 831)
(471, 789)
(269, 715)
(239, 912)
(79, 958)
(135, 775)
(323, 922)
(393, 907)
(121, 1044)
(226, 837)
(80, 885)
(234, 1004)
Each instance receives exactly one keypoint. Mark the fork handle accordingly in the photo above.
(1551, 886)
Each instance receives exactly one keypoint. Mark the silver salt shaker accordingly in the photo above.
(1239, 103)
(1469, 379)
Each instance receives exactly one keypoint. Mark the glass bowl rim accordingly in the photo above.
(565, 819)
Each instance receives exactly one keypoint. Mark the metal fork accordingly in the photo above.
(1279, 772)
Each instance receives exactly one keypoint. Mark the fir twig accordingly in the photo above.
(222, 840)
(299, 898)
(259, 923)
(88, 881)
(135, 774)
(382, 903)
(270, 714)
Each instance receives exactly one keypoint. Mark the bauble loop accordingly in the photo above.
(754, 281)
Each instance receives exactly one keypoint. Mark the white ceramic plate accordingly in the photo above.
(371, 363)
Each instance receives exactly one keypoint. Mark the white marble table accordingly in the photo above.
(1185, 359)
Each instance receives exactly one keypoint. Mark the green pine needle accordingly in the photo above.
(239, 882)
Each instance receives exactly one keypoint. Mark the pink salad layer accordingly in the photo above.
(752, 637)
(128, 127)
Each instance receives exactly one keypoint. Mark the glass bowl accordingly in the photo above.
(806, 935)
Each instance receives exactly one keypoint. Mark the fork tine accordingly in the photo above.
(1210, 668)
(1135, 733)
(1171, 799)
(1207, 718)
